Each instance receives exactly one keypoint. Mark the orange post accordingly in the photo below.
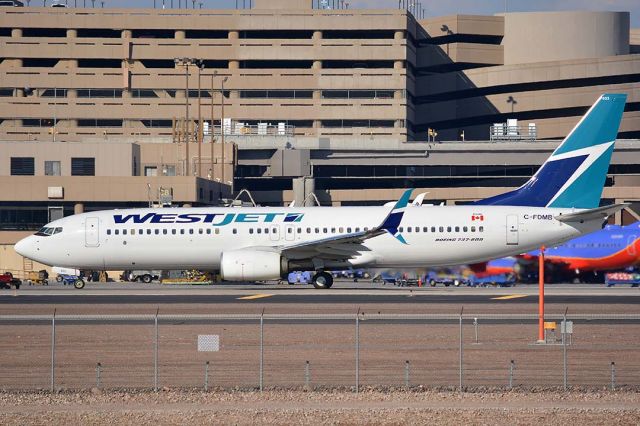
(541, 295)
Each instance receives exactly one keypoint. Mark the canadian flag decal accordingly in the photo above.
(477, 216)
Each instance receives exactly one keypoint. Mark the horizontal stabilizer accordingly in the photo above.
(591, 214)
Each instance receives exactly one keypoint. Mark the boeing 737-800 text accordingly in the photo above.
(560, 202)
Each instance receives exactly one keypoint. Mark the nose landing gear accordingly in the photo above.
(322, 280)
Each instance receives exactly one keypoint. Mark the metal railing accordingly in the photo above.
(502, 132)
(258, 351)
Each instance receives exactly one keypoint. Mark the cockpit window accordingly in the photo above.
(45, 232)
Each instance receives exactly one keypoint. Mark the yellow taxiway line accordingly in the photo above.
(511, 296)
(254, 296)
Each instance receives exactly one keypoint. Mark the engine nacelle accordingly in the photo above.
(242, 265)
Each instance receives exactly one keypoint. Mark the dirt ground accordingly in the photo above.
(391, 407)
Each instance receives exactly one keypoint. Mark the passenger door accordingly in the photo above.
(512, 230)
(92, 232)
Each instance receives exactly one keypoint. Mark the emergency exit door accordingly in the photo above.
(512, 229)
(91, 232)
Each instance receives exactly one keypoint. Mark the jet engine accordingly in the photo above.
(242, 265)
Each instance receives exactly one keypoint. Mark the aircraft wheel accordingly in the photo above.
(432, 283)
(146, 278)
(59, 278)
(456, 283)
(322, 280)
(79, 284)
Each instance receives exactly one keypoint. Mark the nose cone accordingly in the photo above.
(25, 247)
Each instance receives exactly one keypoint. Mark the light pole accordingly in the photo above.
(211, 128)
(222, 122)
(185, 62)
(512, 101)
(200, 66)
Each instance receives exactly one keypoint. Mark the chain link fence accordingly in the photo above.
(455, 351)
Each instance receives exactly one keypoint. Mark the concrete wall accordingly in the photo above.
(552, 36)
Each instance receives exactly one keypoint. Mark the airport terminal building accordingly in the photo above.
(99, 108)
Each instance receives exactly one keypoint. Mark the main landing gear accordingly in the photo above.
(322, 280)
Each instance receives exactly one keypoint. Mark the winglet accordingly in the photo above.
(392, 222)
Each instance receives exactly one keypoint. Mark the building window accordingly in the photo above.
(52, 168)
(83, 166)
(22, 166)
(150, 171)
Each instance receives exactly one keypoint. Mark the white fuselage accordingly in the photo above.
(195, 238)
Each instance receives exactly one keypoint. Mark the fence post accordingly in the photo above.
(512, 366)
(98, 368)
(206, 376)
(406, 374)
(307, 375)
(53, 351)
(613, 376)
(564, 348)
(358, 351)
(261, 349)
(155, 352)
(460, 350)
(475, 326)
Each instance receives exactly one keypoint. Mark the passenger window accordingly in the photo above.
(441, 229)
(164, 231)
(251, 230)
(348, 230)
(117, 231)
(357, 229)
(208, 231)
(409, 229)
(433, 229)
(157, 232)
(324, 230)
(341, 229)
(289, 230)
(333, 230)
(108, 231)
(401, 229)
(148, 231)
(457, 229)
(259, 230)
(464, 229)
(317, 230)
(200, 231)
(266, 230)
(473, 229)
(366, 228)
(191, 231)
(481, 229)
(173, 231)
(124, 232)
(235, 231)
(182, 231)
(425, 229)
(217, 230)
(133, 232)
(308, 230)
(140, 231)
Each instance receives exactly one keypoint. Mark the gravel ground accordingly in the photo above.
(336, 407)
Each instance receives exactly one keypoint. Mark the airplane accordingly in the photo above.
(560, 202)
(612, 248)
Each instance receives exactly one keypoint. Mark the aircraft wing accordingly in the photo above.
(591, 214)
(347, 246)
